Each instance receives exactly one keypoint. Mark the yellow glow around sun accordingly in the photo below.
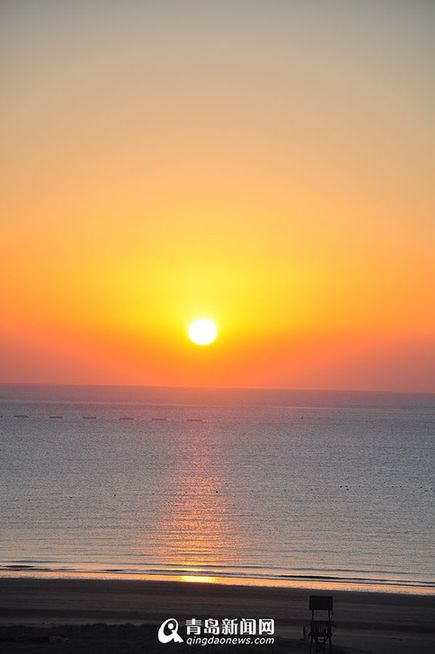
(202, 331)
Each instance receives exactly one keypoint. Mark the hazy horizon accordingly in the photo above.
(223, 389)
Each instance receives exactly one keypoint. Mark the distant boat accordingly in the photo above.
(158, 419)
(21, 415)
(194, 419)
(89, 417)
(56, 417)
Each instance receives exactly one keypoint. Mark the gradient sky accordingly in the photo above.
(267, 164)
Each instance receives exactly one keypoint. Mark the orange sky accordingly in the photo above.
(268, 166)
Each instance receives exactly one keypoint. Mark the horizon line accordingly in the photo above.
(221, 388)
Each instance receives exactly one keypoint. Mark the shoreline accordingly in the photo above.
(369, 621)
(315, 583)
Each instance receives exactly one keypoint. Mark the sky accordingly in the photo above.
(268, 165)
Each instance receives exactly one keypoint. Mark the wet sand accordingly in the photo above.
(45, 615)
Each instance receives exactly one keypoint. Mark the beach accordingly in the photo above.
(100, 615)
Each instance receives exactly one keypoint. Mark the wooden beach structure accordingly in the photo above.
(320, 627)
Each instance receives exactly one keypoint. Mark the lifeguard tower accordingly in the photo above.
(320, 628)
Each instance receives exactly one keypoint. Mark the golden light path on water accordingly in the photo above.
(197, 529)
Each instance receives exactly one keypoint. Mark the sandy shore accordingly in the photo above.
(44, 615)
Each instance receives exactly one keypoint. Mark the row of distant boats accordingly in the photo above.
(24, 415)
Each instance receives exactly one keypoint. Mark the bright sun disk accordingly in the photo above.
(202, 331)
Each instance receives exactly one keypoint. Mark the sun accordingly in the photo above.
(202, 331)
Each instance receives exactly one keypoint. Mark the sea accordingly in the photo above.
(265, 487)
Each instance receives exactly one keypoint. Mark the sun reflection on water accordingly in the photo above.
(199, 579)
(197, 531)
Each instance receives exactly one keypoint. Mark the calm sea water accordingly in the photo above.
(249, 484)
